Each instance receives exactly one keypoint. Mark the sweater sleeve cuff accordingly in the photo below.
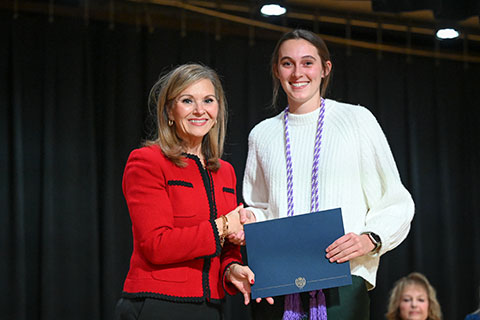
(259, 213)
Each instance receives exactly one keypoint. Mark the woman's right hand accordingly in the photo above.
(246, 216)
(233, 220)
(234, 223)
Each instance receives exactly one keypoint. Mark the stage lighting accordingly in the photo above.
(447, 33)
(273, 8)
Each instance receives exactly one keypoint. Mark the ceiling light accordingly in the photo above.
(447, 33)
(273, 9)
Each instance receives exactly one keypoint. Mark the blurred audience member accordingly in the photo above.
(413, 298)
(476, 314)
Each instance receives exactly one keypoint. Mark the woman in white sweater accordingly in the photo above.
(320, 154)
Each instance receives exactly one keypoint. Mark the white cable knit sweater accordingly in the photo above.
(357, 173)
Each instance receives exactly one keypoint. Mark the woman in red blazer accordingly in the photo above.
(182, 202)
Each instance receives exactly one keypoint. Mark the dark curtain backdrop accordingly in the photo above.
(73, 105)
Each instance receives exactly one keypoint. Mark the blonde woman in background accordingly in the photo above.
(413, 298)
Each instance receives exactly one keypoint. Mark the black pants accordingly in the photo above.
(155, 309)
(343, 303)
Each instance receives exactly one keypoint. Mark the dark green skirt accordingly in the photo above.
(343, 303)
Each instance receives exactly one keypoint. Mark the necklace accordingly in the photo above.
(316, 156)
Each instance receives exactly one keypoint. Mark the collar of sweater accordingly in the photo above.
(305, 119)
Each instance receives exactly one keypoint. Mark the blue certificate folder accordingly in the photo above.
(287, 255)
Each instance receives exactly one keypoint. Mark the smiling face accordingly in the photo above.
(194, 112)
(414, 303)
(300, 72)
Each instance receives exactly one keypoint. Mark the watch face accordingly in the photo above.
(375, 237)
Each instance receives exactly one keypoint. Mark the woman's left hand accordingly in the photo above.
(242, 278)
(348, 247)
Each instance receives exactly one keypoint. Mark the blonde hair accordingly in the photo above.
(162, 97)
(414, 278)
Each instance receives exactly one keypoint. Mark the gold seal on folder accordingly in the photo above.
(300, 282)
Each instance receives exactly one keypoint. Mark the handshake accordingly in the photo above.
(230, 226)
(232, 230)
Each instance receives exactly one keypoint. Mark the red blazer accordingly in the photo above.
(176, 247)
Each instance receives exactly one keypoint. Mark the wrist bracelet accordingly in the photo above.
(225, 225)
(224, 230)
(227, 272)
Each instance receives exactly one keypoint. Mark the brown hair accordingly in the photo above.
(162, 96)
(316, 41)
(414, 278)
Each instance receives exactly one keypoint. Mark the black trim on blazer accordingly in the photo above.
(205, 278)
(180, 183)
(213, 212)
(208, 183)
(216, 234)
(229, 190)
(154, 295)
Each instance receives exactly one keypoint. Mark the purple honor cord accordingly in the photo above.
(293, 304)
